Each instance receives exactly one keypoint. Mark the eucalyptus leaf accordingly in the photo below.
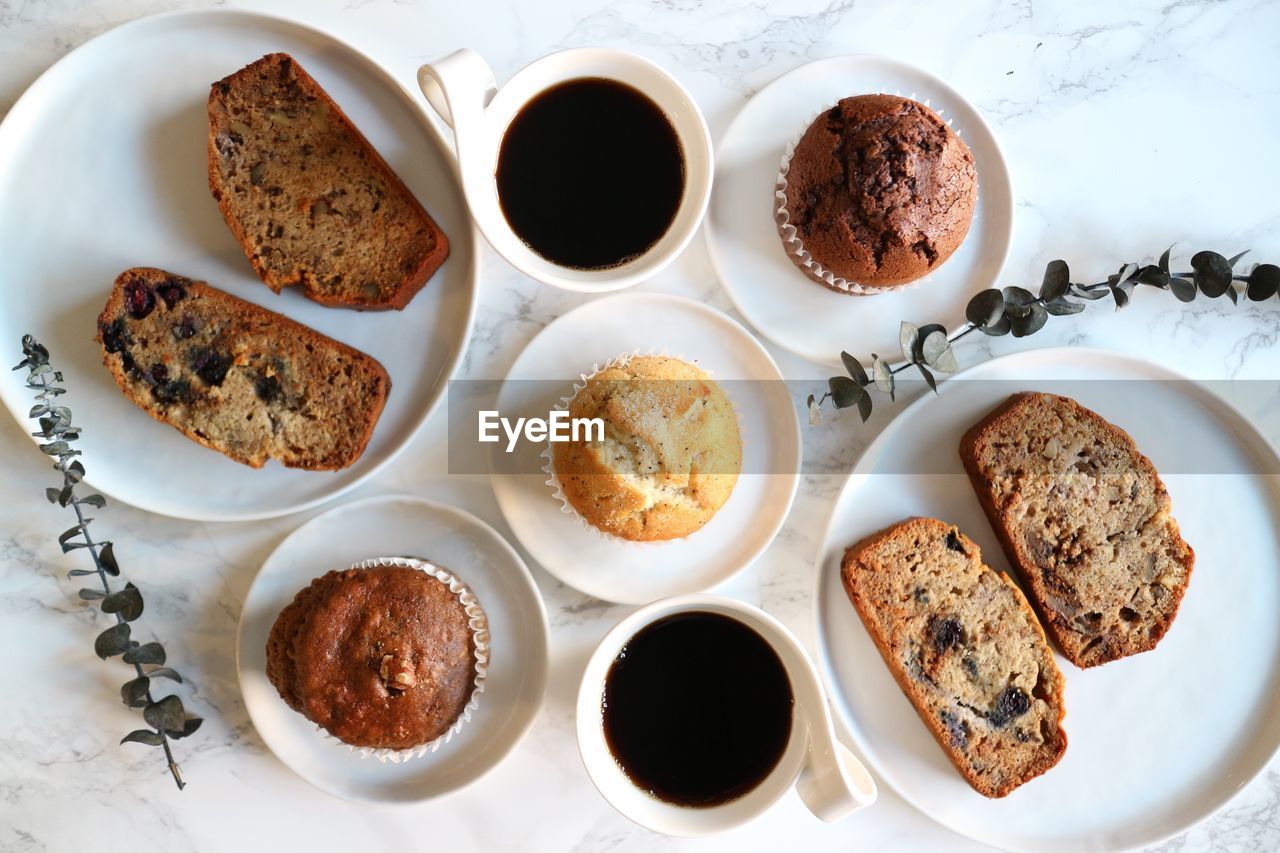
(134, 692)
(1126, 272)
(937, 353)
(127, 602)
(107, 557)
(908, 335)
(165, 714)
(145, 653)
(928, 377)
(164, 672)
(189, 727)
(1184, 290)
(925, 331)
(1264, 282)
(1057, 278)
(146, 736)
(1062, 307)
(1121, 292)
(815, 411)
(884, 378)
(92, 594)
(865, 404)
(113, 641)
(998, 329)
(1017, 302)
(79, 573)
(93, 500)
(1212, 273)
(844, 391)
(985, 309)
(1231, 261)
(1152, 275)
(1089, 293)
(52, 494)
(855, 369)
(1030, 324)
(1164, 260)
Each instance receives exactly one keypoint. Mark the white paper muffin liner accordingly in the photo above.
(548, 452)
(479, 626)
(794, 246)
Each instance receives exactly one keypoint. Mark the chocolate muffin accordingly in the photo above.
(382, 657)
(879, 191)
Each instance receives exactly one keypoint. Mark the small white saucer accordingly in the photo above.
(391, 526)
(792, 310)
(638, 572)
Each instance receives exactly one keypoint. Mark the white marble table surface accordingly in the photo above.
(1127, 126)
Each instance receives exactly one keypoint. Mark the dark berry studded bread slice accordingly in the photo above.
(308, 197)
(238, 378)
(1085, 519)
(964, 645)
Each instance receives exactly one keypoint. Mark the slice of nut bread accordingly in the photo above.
(966, 649)
(1085, 519)
(238, 378)
(308, 198)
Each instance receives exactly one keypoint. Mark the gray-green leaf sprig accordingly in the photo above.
(167, 719)
(1018, 312)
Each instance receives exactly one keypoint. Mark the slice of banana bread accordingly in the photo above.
(964, 645)
(238, 378)
(1085, 519)
(308, 198)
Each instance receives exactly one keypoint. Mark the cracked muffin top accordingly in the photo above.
(880, 190)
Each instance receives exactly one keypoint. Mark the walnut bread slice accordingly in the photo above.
(237, 378)
(308, 198)
(1085, 519)
(966, 649)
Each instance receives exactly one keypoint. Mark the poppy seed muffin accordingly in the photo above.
(880, 191)
(671, 452)
(381, 657)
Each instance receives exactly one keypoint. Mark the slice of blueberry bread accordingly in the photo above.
(1085, 519)
(308, 198)
(965, 647)
(238, 378)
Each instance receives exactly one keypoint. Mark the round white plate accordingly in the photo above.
(103, 167)
(788, 308)
(1157, 741)
(636, 572)
(392, 526)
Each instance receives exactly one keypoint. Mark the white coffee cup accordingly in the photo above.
(830, 780)
(460, 87)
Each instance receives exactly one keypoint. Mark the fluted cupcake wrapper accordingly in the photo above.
(548, 452)
(479, 625)
(794, 246)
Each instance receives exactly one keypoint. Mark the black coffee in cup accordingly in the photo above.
(697, 709)
(590, 174)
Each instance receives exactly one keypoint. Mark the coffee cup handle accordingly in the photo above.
(833, 783)
(458, 87)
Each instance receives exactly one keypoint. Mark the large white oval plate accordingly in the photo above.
(392, 526)
(1156, 742)
(790, 309)
(637, 572)
(103, 167)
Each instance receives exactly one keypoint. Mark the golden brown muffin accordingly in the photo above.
(880, 190)
(380, 657)
(671, 452)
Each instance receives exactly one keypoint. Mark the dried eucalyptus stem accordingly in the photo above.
(1016, 311)
(166, 716)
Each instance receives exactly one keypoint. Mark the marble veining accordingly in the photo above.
(1127, 126)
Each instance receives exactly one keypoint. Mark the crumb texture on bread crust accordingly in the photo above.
(671, 452)
(1085, 518)
(308, 198)
(238, 378)
(966, 649)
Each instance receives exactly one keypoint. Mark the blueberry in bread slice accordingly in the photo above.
(236, 377)
(308, 198)
(966, 649)
(1085, 519)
